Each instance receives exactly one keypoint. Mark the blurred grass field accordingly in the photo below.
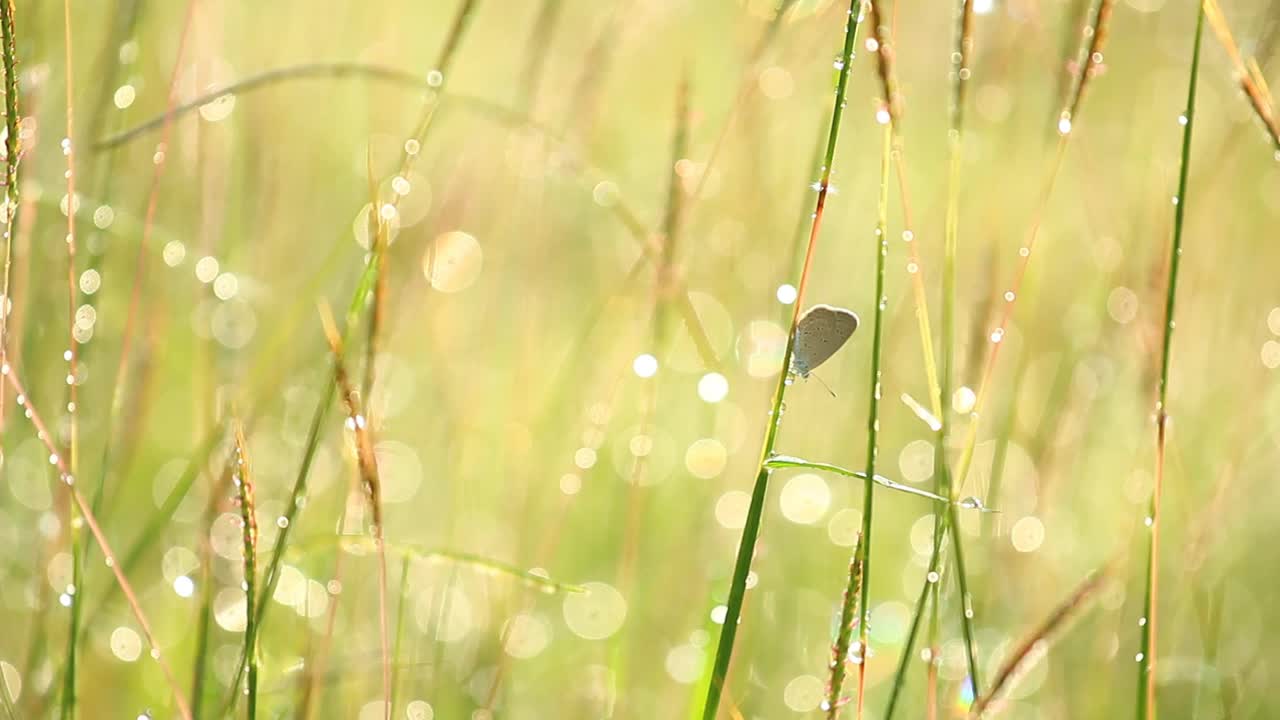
(565, 465)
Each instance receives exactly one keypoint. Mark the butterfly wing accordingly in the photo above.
(822, 331)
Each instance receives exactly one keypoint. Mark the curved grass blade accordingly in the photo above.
(418, 553)
(788, 461)
(1025, 654)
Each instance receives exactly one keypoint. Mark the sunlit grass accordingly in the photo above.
(567, 244)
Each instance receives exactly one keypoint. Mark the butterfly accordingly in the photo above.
(822, 330)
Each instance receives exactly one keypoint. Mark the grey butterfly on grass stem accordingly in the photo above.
(822, 330)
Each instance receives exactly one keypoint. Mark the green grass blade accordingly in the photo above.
(755, 511)
(1145, 708)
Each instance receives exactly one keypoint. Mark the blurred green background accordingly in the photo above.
(511, 417)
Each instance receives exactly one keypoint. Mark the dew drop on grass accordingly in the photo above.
(844, 526)
(219, 108)
(718, 614)
(528, 634)
(706, 458)
(1027, 534)
(453, 262)
(645, 365)
(124, 96)
(584, 458)
(419, 710)
(684, 663)
(805, 499)
(921, 535)
(595, 614)
(90, 281)
(184, 586)
(804, 693)
(125, 644)
(731, 509)
(570, 484)
(174, 253)
(713, 387)
(206, 269)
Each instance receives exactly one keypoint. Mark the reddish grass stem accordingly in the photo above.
(68, 480)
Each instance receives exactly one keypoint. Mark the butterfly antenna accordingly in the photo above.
(824, 384)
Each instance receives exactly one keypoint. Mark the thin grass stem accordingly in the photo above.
(242, 478)
(395, 650)
(840, 651)
(9, 59)
(890, 113)
(755, 511)
(364, 287)
(873, 412)
(68, 480)
(1146, 705)
(371, 483)
(70, 355)
(1031, 648)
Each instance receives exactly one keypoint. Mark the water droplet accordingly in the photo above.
(645, 365)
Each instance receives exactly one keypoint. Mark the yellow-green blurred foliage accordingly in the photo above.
(511, 419)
